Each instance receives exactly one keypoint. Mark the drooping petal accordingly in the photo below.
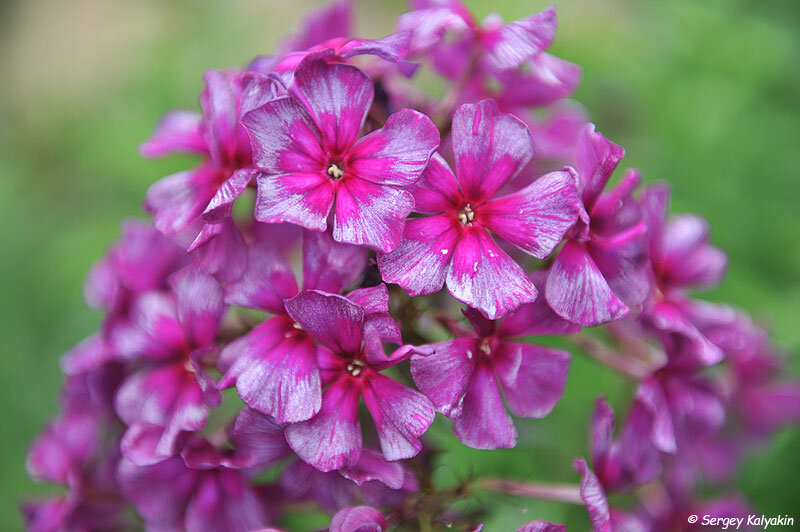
(577, 290)
(623, 260)
(437, 189)
(224, 501)
(596, 158)
(144, 257)
(153, 330)
(266, 282)
(444, 376)
(537, 318)
(220, 251)
(420, 261)
(536, 218)
(397, 153)
(655, 205)
(401, 415)
(538, 383)
(358, 519)
(602, 430)
(329, 265)
(484, 422)
(544, 79)
(651, 396)
(200, 305)
(331, 439)
(332, 320)
(303, 199)
(392, 48)
(689, 258)
(259, 438)
(542, 526)
(219, 101)
(379, 326)
(337, 97)
(517, 41)
(219, 208)
(484, 277)
(370, 215)
(372, 466)
(490, 147)
(178, 199)
(594, 497)
(176, 132)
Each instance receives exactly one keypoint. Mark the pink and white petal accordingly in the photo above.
(302, 199)
(594, 497)
(91, 353)
(178, 199)
(401, 415)
(650, 395)
(437, 189)
(397, 153)
(534, 389)
(330, 319)
(490, 148)
(445, 375)
(577, 290)
(219, 101)
(624, 262)
(284, 138)
(537, 318)
(237, 355)
(484, 422)
(331, 439)
(144, 257)
(219, 208)
(266, 282)
(484, 277)
(536, 218)
(542, 526)
(370, 215)
(177, 132)
(199, 303)
(358, 519)
(596, 159)
(283, 380)
(219, 251)
(392, 48)
(337, 97)
(224, 501)
(256, 89)
(515, 42)
(420, 261)
(153, 330)
(328, 265)
(545, 79)
(258, 438)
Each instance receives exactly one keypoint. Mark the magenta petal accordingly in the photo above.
(484, 422)
(577, 290)
(397, 153)
(223, 501)
(536, 218)
(302, 199)
(594, 497)
(370, 215)
(154, 330)
(490, 148)
(159, 492)
(379, 326)
(282, 379)
(358, 519)
(651, 396)
(331, 439)
(337, 96)
(602, 430)
(178, 199)
(329, 265)
(444, 376)
(437, 189)
(401, 416)
(392, 48)
(689, 259)
(543, 80)
(484, 277)
(220, 251)
(516, 41)
(144, 257)
(219, 208)
(219, 101)
(373, 466)
(537, 318)
(322, 24)
(177, 132)
(332, 320)
(420, 261)
(538, 383)
(622, 258)
(259, 438)
(200, 304)
(596, 159)
(266, 282)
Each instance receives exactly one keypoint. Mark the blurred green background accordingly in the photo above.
(703, 94)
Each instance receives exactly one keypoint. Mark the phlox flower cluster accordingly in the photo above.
(352, 255)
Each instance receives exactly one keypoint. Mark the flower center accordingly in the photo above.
(485, 348)
(355, 367)
(467, 215)
(335, 172)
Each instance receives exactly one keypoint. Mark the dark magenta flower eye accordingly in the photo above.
(352, 253)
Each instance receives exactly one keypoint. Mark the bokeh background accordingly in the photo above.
(701, 93)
